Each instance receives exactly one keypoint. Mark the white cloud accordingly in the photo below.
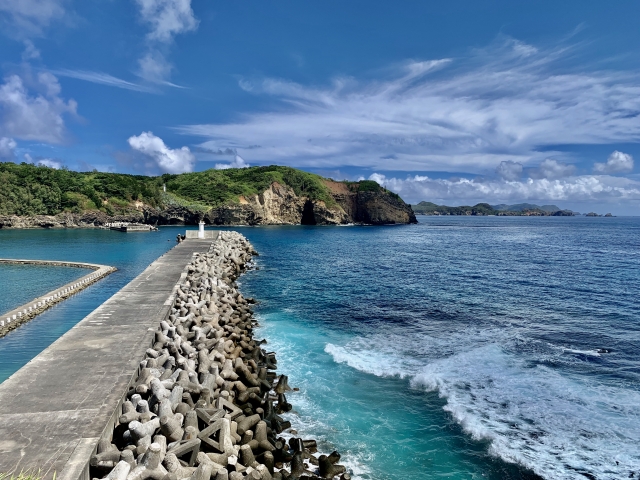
(552, 169)
(27, 18)
(169, 160)
(509, 170)
(43, 162)
(30, 51)
(7, 147)
(617, 162)
(102, 79)
(47, 162)
(238, 162)
(166, 19)
(510, 103)
(522, 49)
(37, 117)
(154, 67)
(584, 188)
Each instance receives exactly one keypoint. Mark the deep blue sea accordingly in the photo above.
(458, 348)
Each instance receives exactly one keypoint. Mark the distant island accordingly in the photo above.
(34, 196)
(480, 209)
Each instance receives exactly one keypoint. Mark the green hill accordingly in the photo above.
(27, 189)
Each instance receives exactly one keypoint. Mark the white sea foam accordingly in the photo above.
(553, 422)
(384, 363)
(307, 418)
(589, 353)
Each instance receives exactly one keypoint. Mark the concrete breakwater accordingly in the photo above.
(20, 315)
(207, 401)
(54, 410)
(62, 413)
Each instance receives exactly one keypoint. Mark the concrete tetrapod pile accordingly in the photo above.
(207, 401)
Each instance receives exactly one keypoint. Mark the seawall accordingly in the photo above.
(55, 409)
(22, 314)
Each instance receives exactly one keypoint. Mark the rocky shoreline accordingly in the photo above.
(207, 401)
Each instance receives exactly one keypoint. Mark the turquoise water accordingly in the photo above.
(23, 283)
(457, 348)
(130, 253)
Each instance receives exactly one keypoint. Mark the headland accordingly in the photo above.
(41, 197)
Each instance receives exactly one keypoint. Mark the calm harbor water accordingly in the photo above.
(23, 283)
(455, 348)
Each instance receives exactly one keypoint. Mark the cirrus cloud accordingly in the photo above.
(511, 102)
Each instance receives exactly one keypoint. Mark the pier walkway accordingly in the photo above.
(54, 409)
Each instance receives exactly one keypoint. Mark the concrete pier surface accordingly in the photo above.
(54, 410)
(22, 314)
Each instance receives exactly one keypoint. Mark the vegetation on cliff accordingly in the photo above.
(220, 187)
(527, 209)
(27, 189)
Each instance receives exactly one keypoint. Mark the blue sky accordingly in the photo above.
(453, 102)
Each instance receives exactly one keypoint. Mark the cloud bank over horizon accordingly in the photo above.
(586, 189)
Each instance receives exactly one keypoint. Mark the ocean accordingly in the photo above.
(461, 347)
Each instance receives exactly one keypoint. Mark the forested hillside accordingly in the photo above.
(27, 189)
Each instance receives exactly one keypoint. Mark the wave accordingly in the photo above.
(589, 353)
(555, 423)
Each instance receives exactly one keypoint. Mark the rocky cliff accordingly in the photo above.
(277, 205)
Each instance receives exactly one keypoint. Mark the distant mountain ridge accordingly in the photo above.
(481, 209)
(521, 207)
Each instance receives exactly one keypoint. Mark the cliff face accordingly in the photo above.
(374, 208)
(277, 205)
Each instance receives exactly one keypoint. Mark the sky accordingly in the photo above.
(456, 102)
